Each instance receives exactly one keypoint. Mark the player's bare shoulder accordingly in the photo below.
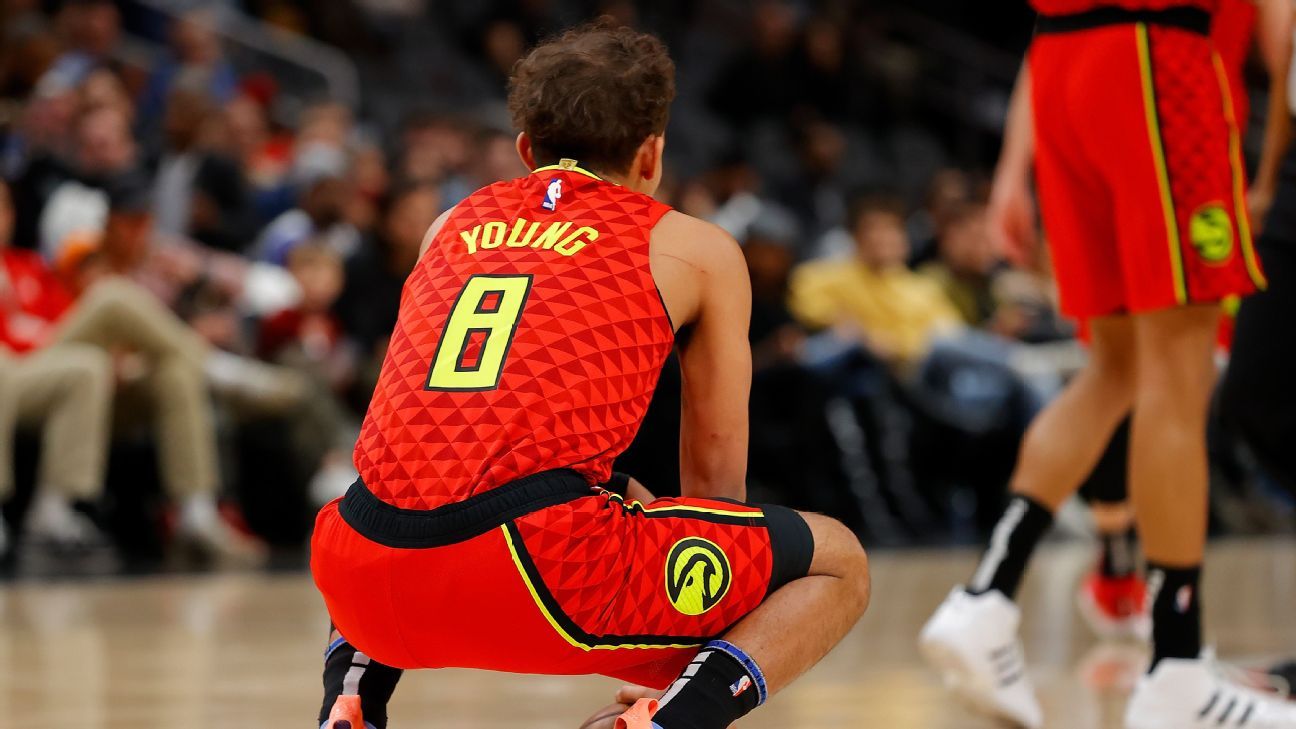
(693, 259)
(434, 230)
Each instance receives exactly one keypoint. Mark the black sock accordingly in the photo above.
(1176, 612)
(1118, 554)
(347, 670)
(1020, 528)
(718, 688)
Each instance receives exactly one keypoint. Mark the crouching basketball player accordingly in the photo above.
(487, 530)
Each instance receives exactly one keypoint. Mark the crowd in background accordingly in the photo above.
(200, 267)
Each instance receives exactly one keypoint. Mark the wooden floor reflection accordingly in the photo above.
(243, 651)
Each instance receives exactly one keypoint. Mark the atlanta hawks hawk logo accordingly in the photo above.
(697, 575)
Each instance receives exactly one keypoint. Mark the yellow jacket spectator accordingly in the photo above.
(873, 297)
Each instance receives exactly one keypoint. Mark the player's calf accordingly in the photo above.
(356, 688)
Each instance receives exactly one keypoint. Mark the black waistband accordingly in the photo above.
(393, 526)
(1184, 17)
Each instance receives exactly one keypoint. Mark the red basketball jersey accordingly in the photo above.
(530, 337)
(1066, 7)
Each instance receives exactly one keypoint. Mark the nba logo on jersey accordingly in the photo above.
(552, 194)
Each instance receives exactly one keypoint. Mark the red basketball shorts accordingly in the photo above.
(545, 575)
(1138, 164)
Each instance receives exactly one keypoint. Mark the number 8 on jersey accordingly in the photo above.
(478, 333)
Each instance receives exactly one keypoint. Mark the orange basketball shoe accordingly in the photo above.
(345, 714)
(638, 716)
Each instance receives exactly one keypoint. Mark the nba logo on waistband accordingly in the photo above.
(552, 194)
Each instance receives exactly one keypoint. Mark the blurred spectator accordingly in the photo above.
(90, 31)
(369, 173)
(263, 155)
(762, 80)
(874, 299)
(309, 335)
(817, 191)
(496, 159)
(187, 110)
(54, 182)
(220, 211)
(263, 152)
(1013, 303)
(105, 89)
(161, 365)
(436, 149)
(309, 339)
(775, 335)
(27, 49)
(194, 61)
(967, 264)
(1026, 303)
(320, 216)
(501, 45)
(66, 392)
(948, 190)
(200, 190)
(376, 275)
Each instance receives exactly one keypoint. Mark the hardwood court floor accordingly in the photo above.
(242, 651)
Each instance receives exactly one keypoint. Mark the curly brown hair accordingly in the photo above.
(593, 94)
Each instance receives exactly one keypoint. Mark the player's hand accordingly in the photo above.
(1011, 218)
(604, 718)
(1259, 201)
(628, 694)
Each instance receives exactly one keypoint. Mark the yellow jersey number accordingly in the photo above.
(478, 334)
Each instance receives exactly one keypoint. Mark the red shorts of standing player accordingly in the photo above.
(1138, 159)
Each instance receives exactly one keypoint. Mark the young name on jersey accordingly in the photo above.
(522, 233)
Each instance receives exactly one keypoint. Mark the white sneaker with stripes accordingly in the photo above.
(1196, 694)
(972, 641)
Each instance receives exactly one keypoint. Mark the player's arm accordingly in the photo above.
(1274, 29)
(704, 279)
(432, 232)
(1011, 213)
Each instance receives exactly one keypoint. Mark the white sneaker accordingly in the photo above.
(972, 641)
(53, 522)
(202, 528)
(1194, 694)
